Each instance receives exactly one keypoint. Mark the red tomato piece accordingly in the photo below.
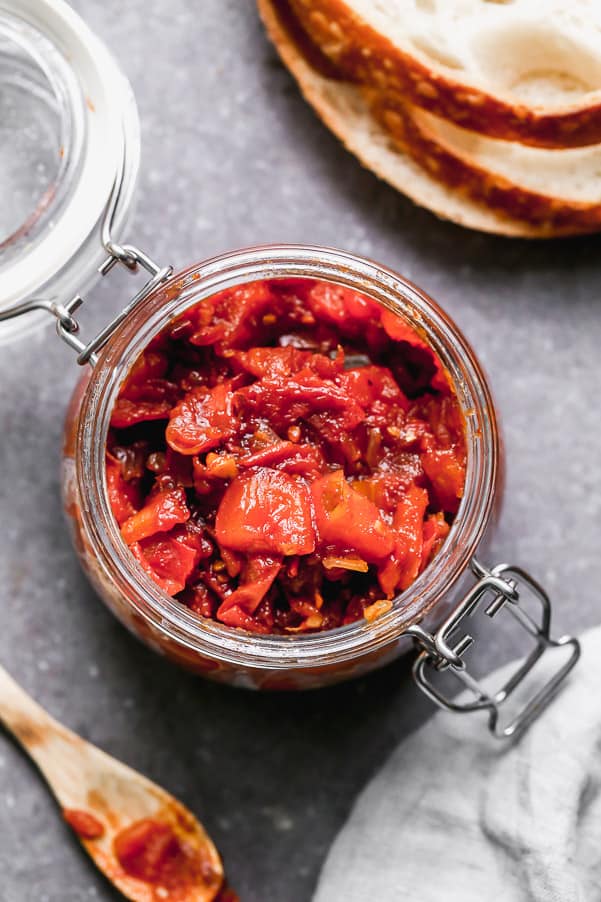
(348, 520)
(284, 362)
(193, 535)
(257, 578)
(436, 529)
(168, 561)
(202, 420)
(238, 617)
(447, 475)
(233, 317)
(128, 413)
(124, 497)
(388, 485)
(443, 416)
(370, 384)
(397, 329)
(403, 566)
(340, 305)
(284, 401)
(304, 460)
(267, 512)
(152, 391)
(145, 394)
(151, 364)
(163, 511)
(260, 362)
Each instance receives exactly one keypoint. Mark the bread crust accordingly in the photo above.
(491, 188)
(391, 165)
(366, 56)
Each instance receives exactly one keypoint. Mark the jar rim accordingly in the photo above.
(218, 641)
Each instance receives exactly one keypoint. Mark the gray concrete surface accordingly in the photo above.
(232, 156)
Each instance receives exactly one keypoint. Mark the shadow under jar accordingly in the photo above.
(428, 614)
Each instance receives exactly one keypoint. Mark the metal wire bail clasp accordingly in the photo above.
(128, 255)
(68, 328)
(497, 589)
(131, 257)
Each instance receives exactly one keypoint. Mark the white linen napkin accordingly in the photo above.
(456, 815)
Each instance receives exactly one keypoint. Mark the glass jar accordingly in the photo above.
(69, 138)
(307, 660)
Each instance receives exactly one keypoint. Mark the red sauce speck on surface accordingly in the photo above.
(227, 895)
(285, 457)
(151, 851)
(83, 823)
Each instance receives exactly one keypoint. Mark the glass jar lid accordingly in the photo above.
(69, 129)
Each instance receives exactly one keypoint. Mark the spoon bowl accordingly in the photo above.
(149, 845)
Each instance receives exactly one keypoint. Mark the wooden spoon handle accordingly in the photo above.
(52, 746)
(20, 713)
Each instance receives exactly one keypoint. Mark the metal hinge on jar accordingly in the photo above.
(67, 327)
(497, 589)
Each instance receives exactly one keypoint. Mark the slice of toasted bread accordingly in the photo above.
(344, 110)
(560, 189)
(521, 70)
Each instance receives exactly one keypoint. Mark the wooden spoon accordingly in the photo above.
(146, 842)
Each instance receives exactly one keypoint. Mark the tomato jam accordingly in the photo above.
(287, 456)
(86, 825)
(151, 850)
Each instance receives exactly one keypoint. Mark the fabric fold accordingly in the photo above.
(456, 815)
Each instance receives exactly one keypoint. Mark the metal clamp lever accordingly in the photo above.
(68, 329)
(499, 588)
